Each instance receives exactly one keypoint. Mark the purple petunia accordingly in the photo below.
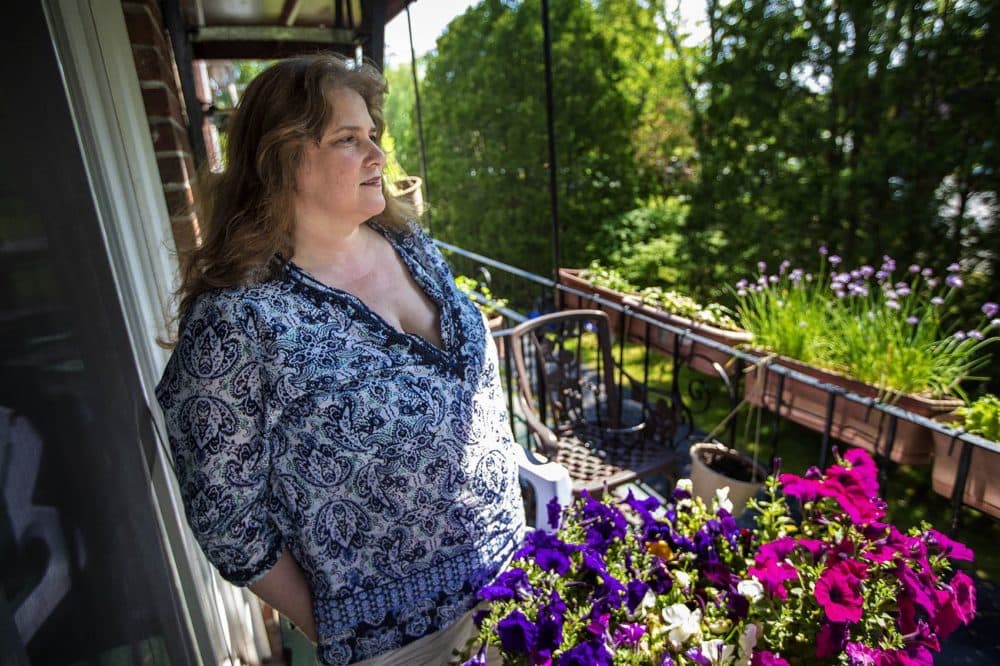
(591, 653)
(554, 511)
(831, 640)
(765, 658)
(629, 634)
(517, 633)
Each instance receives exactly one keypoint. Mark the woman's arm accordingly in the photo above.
(285, 588)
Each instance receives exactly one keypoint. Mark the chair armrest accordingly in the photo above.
(548, 479)
(547, 439)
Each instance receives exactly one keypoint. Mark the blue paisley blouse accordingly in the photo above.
(298, 418)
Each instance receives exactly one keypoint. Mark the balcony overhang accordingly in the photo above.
(268, 29)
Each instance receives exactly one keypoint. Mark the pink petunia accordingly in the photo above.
(772, 575)
(965, 595)
(838, 592)
(949, 616)
(949, 548)
(830, 640)
(765, 658)
(864, 469)
(859, 654)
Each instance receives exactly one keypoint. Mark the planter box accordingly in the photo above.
(696, 355)
(982, 486)
(853, 423)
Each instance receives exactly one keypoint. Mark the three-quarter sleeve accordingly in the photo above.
(214, 402)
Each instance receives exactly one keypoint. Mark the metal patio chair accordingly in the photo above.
(579, 416)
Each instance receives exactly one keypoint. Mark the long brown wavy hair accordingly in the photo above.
(247, 212)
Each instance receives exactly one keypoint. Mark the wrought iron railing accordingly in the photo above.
(688, 401)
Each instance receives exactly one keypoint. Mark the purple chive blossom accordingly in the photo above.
(840, 294)
(995, 323)
(914, 268)
(823, 250)
(835, 260)
(904, 291)
(954, 267)
(959, 335)
(881, 276)
(784, 266)
(762, 266)
(927, 272)
(796, 274)
(773, 279)
(975, 335)
(937, 300)
(742, 284)
(867, 271)
(990, 309)
(741, 292)
(912, 321)
(954, 281)
(933, 282)
(855, 274)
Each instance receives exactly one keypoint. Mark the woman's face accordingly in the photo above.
(340, 178)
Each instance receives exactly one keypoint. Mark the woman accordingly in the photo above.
(333, 402)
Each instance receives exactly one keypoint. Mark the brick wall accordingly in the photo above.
(161, 95)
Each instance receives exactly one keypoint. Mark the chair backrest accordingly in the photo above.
(568, 355)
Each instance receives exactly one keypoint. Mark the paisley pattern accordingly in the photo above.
(300, 419)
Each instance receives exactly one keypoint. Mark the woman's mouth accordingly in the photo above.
(374, 182)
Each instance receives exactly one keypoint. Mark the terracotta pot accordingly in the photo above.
(982, 490)
(696, 355)
(714, 466)
(409, 189)
(853, 423)
(495, 324)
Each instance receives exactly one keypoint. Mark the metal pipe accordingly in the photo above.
(420, 121)
(551, 127)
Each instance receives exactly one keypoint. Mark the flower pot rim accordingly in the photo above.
(855, 385)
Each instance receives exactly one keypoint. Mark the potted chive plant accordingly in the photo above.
(878, 332)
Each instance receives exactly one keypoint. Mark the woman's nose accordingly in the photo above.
(375, 153)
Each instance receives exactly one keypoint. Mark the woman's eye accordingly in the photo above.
(346, 139)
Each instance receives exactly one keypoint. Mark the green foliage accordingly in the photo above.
(480, 294)
(669, 301)
(485, 131)
(645, 243)
(982, 417)
(870, 126)
(401, 121)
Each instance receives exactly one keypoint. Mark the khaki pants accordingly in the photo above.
(435, 649)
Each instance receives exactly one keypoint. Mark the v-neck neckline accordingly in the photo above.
(423, 281)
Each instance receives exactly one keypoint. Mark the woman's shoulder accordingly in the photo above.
(243, 306)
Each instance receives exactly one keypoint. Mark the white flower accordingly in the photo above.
(717, 652)
(748, 641)
(751, 589)
(685, 485)
(722, 500)
(648, 601)
(682, 624)
(682, 579)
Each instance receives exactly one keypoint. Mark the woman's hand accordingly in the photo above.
(285, 588)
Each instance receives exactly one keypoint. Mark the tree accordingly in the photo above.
(871, 127)
(485, 132)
